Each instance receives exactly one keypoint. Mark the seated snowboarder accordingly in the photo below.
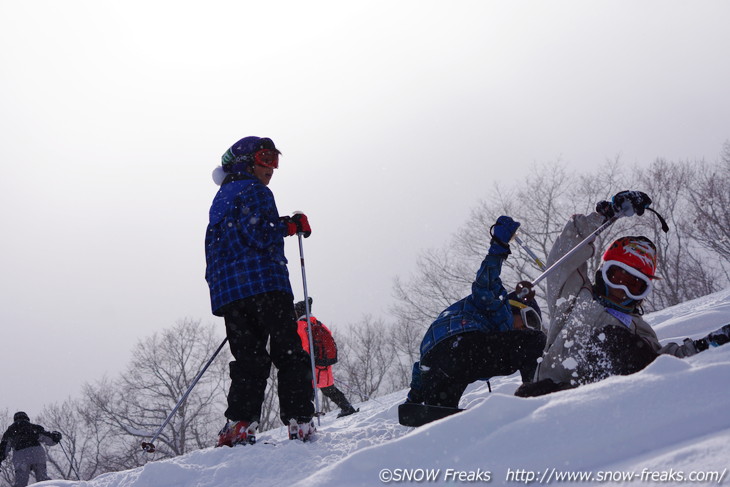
(25, 438)
(596, 328)
(486, 334)
(325, 378)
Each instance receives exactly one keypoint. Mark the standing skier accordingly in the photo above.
(485, 334)
(596, 328)
(249, 287)
(325, 378)
(25, 438)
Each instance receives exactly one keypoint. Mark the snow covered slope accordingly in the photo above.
(668, 423)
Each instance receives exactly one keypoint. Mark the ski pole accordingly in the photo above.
(71, 463)
(575, 249)
(537, 260)
(626, 210)
(149, 447)
(309, 329)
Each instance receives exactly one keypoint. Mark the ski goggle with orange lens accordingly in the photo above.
(529, 316)
(266, 158)
(618, 275)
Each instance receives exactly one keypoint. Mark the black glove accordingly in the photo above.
(719, 337)
(700, 344)
(624, 203)
(541, 387)
(605, 208)
(502, 232)
(56, 436)
(525, 285)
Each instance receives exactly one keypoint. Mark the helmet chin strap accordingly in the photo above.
(627, 306)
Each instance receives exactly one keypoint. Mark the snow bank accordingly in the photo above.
(671, 419)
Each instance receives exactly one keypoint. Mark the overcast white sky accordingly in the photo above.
(394, 117)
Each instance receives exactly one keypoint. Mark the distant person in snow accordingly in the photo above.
(324, 360)
(596, 328)
(25, 439)
(486, 334)
(249, 287)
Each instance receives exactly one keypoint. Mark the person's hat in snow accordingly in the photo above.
(241, 156)
(20, 416)
(300, 308)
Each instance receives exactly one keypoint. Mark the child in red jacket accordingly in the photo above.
(325, 379)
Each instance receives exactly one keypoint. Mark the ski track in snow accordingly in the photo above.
(671, 416)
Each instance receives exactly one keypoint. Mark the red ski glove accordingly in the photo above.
(289, 226)
(302, 223)
(297, 224)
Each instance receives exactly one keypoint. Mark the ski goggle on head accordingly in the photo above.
(621, 276)
(529, 316)
(266, 158)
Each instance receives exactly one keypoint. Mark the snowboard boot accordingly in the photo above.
(346, 411)
(237, 433)
(301, 431)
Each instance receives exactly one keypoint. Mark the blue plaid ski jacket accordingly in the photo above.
(244, 243)
(486, 309)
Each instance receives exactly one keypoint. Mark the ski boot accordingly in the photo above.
(347, 411)
(238, 433)
(301, 431)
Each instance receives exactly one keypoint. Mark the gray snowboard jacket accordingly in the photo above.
(576, 315)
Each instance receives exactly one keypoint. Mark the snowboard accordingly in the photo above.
(411, 414)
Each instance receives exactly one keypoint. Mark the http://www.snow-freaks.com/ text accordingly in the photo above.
(548, 476)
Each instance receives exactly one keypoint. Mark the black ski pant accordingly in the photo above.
(456, 362)
(336, 396)
(614, 350)
(250, 323)
(611, 350)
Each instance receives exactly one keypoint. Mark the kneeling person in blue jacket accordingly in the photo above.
(485, 334)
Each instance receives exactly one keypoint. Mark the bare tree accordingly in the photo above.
(7, 473)
(83, 444)
(134, 405)
(441, 279)
(366, 357)
(543, 202)
(683, 264)
(709, 196)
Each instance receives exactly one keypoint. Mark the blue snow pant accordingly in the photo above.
(29, 459)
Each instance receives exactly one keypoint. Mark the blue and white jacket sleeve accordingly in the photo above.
(487, 292)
